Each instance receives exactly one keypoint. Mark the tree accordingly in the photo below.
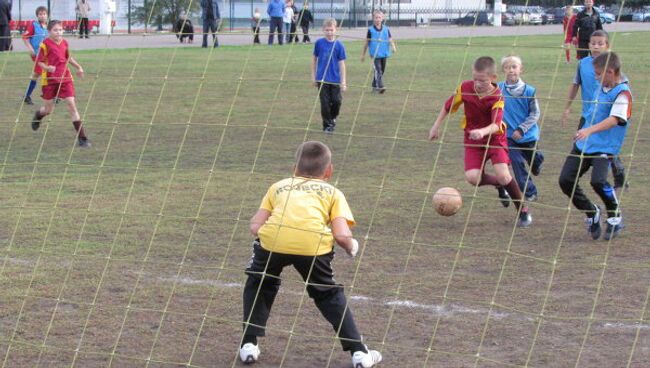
(160, 12)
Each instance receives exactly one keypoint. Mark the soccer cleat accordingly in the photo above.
(537, 169)
(382, 90)
(593, 224)
(366, 360)
(620, 182)
(504, 196)
(84, 143)
(249, 353)
(36, 121)
(531, 198)
(614, 227)
(28, 100)
(328, 130)
(525, 219)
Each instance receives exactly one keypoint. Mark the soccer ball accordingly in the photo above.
(447, 201)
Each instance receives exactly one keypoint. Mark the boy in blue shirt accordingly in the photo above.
(377, 45)
(521, 113)
(599, 139)
(35, 33)
(328, 74)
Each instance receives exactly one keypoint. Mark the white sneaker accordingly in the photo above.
(365, 360)
(249, 353)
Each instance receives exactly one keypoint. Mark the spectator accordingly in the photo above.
(293, 32)
(5, 19)
(587, 21)
(305, 18)
(287, 19)
(256, 20)
(211, 19)
(275, 10)
(83, 10)
(184, 29)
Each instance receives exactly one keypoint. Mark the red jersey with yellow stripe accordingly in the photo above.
(57, 55)
(480, 111)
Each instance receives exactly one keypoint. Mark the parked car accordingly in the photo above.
(475, 18)
(548, 17)
(558, 14)
(534, 17)
(641, 15)
(508, 19)
(607, 18)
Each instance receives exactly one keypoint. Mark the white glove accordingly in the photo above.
(355, 248)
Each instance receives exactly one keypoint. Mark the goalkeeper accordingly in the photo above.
(298, 221)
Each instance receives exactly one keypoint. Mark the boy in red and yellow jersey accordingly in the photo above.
(56, 79)
(485, 136)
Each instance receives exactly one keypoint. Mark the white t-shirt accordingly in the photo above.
(288, 15)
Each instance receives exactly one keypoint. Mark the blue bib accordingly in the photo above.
(516, 111)
(40, 33)
(611, 140)
(379, 46)
(589, 86)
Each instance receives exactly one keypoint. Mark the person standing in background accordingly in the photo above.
(83, 10)
(5, 19)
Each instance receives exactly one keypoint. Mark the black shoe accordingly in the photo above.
(84, 143)
(328, 130)
(382, 90)
(619, 181)
(614, 227)
(537, 169)
(36, 121)
(525, 219)
(504, 196)
(28, 100)
(593, 224)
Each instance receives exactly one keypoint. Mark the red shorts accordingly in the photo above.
(60, 90)
(476, 155)
(37, 69)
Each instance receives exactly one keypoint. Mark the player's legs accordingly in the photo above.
(261, 288)
(574, 168)
(329, 298)
(599, 171)
(618, 171)
(378, 69)
(336, 99)
(325, 105)
(474, 176)
(520, 156)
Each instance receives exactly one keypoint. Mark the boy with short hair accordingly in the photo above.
(379, 43)
(484, 134)
(521, 113)
(596, 142)
(328, 74)
(53, 59)
(35, 33)
(298, 221)
(585, 80)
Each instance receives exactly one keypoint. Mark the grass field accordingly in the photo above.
(131, 253)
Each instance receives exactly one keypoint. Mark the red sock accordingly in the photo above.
(568, 55)
(515, 193)
(78, 126)
(487, 179)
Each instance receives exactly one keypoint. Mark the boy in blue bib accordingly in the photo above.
(599, 139)
(379, 43)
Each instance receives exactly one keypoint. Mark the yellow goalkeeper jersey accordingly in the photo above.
(302, 210)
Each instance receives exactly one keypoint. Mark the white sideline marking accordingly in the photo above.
(627, 326)
(448, 310)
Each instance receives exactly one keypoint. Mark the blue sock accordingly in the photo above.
(30, 89)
